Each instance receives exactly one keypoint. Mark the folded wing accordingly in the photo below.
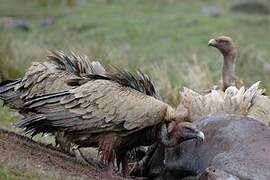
(97, 106)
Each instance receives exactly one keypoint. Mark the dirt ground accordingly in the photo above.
(19, 152)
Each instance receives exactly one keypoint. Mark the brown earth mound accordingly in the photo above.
(19, 152)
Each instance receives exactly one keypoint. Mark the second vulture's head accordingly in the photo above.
(224, 44)
(176, 133)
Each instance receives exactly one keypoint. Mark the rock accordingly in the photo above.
(212, 11)
(13, 23)
(261, 7)
(46, 22)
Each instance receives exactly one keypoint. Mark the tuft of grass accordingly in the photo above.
(6, 117)
(7, 173)
(254, 64)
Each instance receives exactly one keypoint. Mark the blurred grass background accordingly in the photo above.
(165, 38)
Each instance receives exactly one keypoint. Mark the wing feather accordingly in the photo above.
(106, 107)
(50, 76)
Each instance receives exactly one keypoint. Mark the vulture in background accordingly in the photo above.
(91, 108)
(228, 49)
(232, 99)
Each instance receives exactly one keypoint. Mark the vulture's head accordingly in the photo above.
(224, 44)
(176, 133)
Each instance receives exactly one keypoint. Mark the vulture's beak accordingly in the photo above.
(176, 133)
(200, 135)
(212, 42)
(193, 133)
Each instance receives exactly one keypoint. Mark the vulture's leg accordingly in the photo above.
(63, 143)
(139, 167)
(79, 155)
(107, 145)
(73, 149)
(121, 159)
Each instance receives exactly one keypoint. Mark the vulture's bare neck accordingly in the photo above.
(228, 71)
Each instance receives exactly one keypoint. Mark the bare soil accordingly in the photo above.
(20, 152)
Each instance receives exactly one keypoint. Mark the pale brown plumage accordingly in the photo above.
(249, 102)
(228, 49)
(47, 77)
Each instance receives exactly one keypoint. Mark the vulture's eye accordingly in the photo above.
(189, 128)
(223, 42)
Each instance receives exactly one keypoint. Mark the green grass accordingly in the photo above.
(166, 38)
(6, 117)
(7, 173)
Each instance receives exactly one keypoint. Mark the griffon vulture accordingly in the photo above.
(228, 49)
(114, 111)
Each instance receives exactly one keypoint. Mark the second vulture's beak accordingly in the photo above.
(200, 135)
(176, 133)
(193, 133)
(212, 42)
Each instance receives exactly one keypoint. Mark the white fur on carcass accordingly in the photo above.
(250, 103)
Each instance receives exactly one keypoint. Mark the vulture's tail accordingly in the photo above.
(33, 125)
(10, 95)
(36, 122)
